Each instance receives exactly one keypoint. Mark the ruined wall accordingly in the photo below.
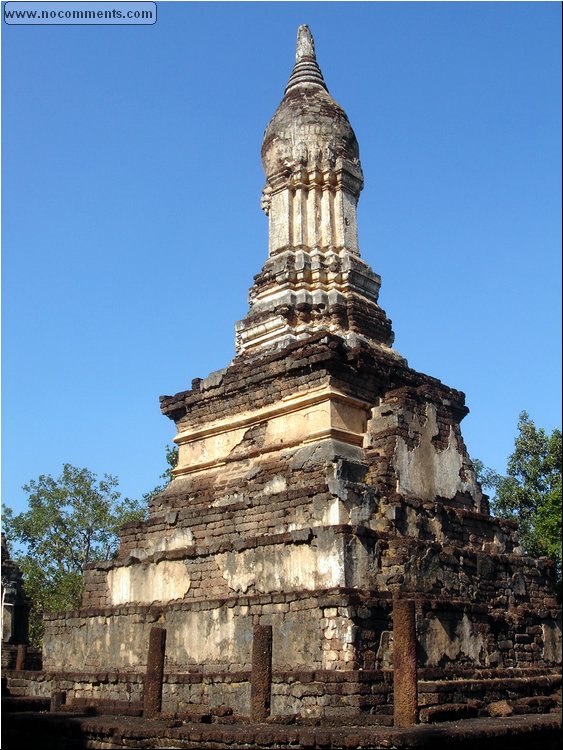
(307, 559)
(322, 557)
(211, 635)
(309, 694)
(391, 507)
(315, 640)
(347, 628)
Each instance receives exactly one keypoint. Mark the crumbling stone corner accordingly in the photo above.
(261, 680)
(152, 698)
(405, 687)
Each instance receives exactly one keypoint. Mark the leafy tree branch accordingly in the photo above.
(71, 521)
(530, 493)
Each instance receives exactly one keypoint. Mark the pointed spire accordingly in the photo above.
(306, 69)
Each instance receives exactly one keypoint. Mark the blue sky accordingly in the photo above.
(132, 225)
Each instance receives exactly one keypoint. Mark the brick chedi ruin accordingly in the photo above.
(15, 610)
(323, 508)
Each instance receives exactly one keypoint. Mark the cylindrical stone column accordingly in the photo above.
(152, 694)
(261, 679)
(405, 686)
(21, 657)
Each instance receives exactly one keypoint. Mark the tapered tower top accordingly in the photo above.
(314, 279)
(306, 69)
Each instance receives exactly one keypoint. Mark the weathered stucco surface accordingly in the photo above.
(207, 637)
(170, 539)
(552, 641)
(426, 472)
(149, 582)
(453, 639)
(283, 569)
(424, 467)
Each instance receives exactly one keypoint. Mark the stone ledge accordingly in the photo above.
(101, 706)
(476, 684)
(322, 350)
(307, 534)
(339, 597)
(502, 678)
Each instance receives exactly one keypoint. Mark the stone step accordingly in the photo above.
(541, 682)
(450, 700)
(17, 704)
(103, 706)
(448, 712)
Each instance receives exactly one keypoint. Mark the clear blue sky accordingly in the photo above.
(132, 225)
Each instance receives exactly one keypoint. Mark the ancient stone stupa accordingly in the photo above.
(320, 482)
(15, 608)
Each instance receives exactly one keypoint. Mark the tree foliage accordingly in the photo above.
(530, 493)
(70, 521)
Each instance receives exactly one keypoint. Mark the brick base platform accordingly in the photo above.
(60, 731)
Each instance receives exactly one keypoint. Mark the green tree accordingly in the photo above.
(530, 493)
(70, 521)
